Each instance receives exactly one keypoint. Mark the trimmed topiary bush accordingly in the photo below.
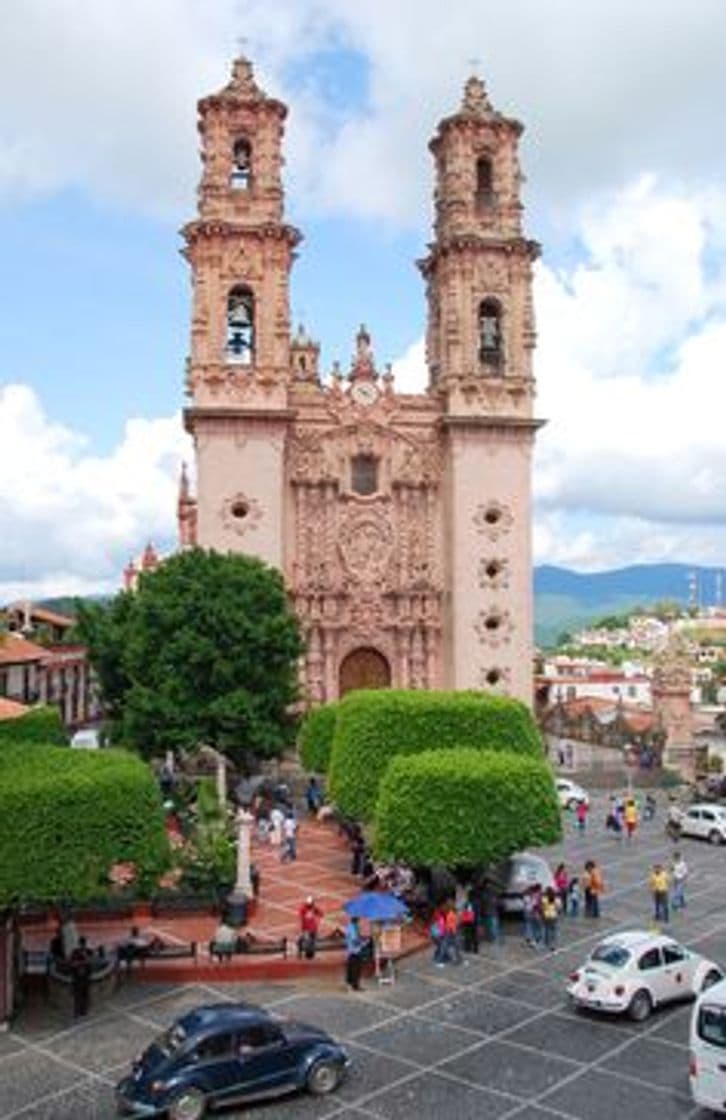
(67, 817)
(39, 725)
(316, 737)
(487, 805)
(372, 727)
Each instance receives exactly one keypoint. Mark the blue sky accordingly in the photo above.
(98, 166)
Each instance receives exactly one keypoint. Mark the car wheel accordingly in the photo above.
(715, 837)
(189, 1104)
(323, 1078)
(641, 1006)
(712, 977)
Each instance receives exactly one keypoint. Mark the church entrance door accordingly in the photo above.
(364, 668)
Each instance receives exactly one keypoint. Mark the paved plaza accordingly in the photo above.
(495, 1038)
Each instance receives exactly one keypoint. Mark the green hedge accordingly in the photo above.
(487, 805)
(66, 817)
(371, 727)
(39, 725)
(315, 739)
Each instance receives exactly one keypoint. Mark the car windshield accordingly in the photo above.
(712, 1026)
(616, 956)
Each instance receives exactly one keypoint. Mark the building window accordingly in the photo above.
(484, 184)
(241, 176)
(241, 325)
(490, 335)
(364, 474)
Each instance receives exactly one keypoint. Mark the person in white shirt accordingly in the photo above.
(679, 875)
(289, 838)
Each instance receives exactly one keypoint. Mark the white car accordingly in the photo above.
(570, 794)
(86, 739)
(707, 1064)
(515, 875)
(635, 971)
(706, 821)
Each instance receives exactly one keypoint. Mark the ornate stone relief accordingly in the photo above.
(241, 514)
(493, 519)
(366, 546)
(493, 573)
(494, 627)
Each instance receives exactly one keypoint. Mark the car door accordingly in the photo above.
(264, 1062)
(678, 968)
(651, 974)
(216, 1064)
(691, 823)
(709, 823)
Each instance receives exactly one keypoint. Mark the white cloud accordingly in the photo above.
(68, 519)
(104, 94)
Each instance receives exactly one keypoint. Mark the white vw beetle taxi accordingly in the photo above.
(635, 971)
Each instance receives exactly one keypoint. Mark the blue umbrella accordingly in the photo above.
(377, 906)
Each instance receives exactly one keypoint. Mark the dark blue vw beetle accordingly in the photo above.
(226, 1053)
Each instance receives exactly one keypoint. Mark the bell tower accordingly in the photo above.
(241, 253)
(480, 338)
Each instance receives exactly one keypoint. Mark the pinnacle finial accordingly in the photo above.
(475, 96)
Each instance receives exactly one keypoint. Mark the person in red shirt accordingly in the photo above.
(310, 917)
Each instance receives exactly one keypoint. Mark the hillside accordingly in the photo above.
(567, 600)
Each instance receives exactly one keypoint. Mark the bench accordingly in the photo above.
(157, 951)
(36, 962)
(248, 945)
(334, 940)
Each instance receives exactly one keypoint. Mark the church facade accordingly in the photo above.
(401, 522)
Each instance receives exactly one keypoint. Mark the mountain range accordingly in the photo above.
(567, 600)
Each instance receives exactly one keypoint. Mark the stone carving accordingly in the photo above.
(493, 519)
(494, 627)
(493, 573)
(671, 666)
(475, 97)
(366, 544)
(241, 514)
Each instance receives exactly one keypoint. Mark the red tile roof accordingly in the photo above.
(15, 649)
(11, 709)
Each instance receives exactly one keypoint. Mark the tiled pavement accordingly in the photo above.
(492, 1039)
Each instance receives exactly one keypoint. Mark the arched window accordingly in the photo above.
(241, 325)
(241, 165)
(364, 474)
(490, 335)
(484, 183)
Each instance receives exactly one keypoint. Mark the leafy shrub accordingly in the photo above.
(316, 737)
(373, 726)
(464, 807)
(67, 817)
(39, 725)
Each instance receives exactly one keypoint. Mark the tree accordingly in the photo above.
(204, 651)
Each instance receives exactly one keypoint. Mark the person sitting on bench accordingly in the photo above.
(224, 941)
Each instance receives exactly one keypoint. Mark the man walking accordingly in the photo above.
(353, 954)
(679, 875)
(659, 884)
(289, 838)
(80, 966)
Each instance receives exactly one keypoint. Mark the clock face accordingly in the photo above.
(364, 392)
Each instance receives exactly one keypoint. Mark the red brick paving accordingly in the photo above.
(322, 869)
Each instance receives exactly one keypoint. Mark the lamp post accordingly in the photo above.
(238, 900)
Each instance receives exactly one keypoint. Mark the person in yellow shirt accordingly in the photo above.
(631, 818)
(659, 883)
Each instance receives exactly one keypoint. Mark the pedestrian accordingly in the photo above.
(353, 954)
(650, 807)
(631, 818)
(562, 882)
(531, 917)
(80, 968)
(437, 932)
(358, 849)
(452, 948)
(659, 882)
(581, 815)
(467, 926)
(277, 820)
(593, 886)
(574, 897)
(679, 875)
(550, 910)
(489, 906)
(289, 838)
(310, 916)
(313, 796)
(620, 811)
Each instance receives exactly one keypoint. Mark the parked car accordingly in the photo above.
(635, 971)
(704, 821)
(707, 1064)
(570, 794)
(513, 876)
(228, 1053)
(86, 738)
